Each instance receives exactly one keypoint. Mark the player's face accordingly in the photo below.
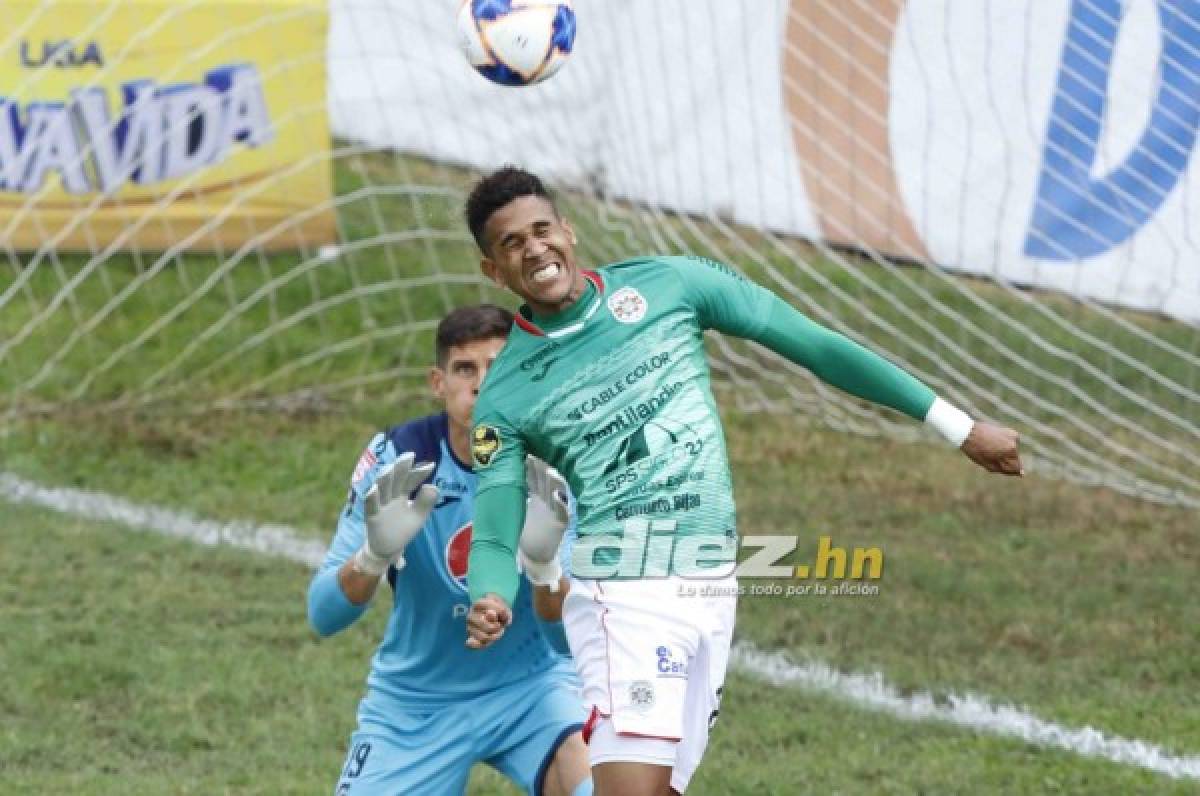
(457, 383)
(531, 251)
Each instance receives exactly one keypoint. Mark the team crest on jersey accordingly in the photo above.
(485, 444)
(458, 550)
(627, 305)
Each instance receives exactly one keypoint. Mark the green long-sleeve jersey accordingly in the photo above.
(614, 392)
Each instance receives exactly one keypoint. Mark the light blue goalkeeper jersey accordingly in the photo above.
(423, 659)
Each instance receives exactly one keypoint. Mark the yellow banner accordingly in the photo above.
(152, 124)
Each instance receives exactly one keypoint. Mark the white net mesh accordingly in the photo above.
(872, 164)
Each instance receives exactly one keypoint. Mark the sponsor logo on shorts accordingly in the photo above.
(627, 305)
(641, 695)
(485, 444)
(669, 665)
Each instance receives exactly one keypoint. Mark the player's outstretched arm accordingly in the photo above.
(840, 361)
(726, 301)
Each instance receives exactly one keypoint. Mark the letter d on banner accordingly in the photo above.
(1074, 215)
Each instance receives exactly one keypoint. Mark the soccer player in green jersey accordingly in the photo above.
(604, 376)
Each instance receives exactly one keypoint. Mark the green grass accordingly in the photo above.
(135, 664)
(158, 666)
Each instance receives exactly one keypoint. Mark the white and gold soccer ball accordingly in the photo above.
(516, 42)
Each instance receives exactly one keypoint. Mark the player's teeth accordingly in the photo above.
(546, 274)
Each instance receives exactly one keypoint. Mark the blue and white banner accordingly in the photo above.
(1041, 142)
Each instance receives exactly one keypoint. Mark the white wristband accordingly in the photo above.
(367, 563)
(548, 574)
(951, 422)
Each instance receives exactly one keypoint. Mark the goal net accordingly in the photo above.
(997, 196)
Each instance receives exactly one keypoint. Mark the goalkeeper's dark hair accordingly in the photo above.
(495, 191)
(468, 324)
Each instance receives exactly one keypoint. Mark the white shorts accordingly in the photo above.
(651, 654)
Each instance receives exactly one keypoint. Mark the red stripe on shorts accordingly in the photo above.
(589, 726)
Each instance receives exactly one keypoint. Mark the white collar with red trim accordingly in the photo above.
(533, 329)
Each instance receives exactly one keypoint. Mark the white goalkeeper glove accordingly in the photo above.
(546, 520)
(392, 519)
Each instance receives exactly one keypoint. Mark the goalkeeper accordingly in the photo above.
(432, 708)
(605, 378)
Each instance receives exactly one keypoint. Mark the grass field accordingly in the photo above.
(136, 664)
(143, 665)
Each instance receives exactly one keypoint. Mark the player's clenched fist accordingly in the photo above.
(994, 448)
(486, 621)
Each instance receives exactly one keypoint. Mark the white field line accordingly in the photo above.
(965, 710)
(276, 540)
(868, 691)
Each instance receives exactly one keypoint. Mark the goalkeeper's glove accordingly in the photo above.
(392, 519)
(546, 519)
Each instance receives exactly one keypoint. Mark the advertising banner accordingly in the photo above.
(1044, 143)
(153, 124)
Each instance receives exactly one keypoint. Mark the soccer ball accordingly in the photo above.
(516, 42)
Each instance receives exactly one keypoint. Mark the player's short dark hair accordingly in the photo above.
(495, 191)
(468, 324)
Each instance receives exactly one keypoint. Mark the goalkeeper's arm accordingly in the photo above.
(360, 555)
